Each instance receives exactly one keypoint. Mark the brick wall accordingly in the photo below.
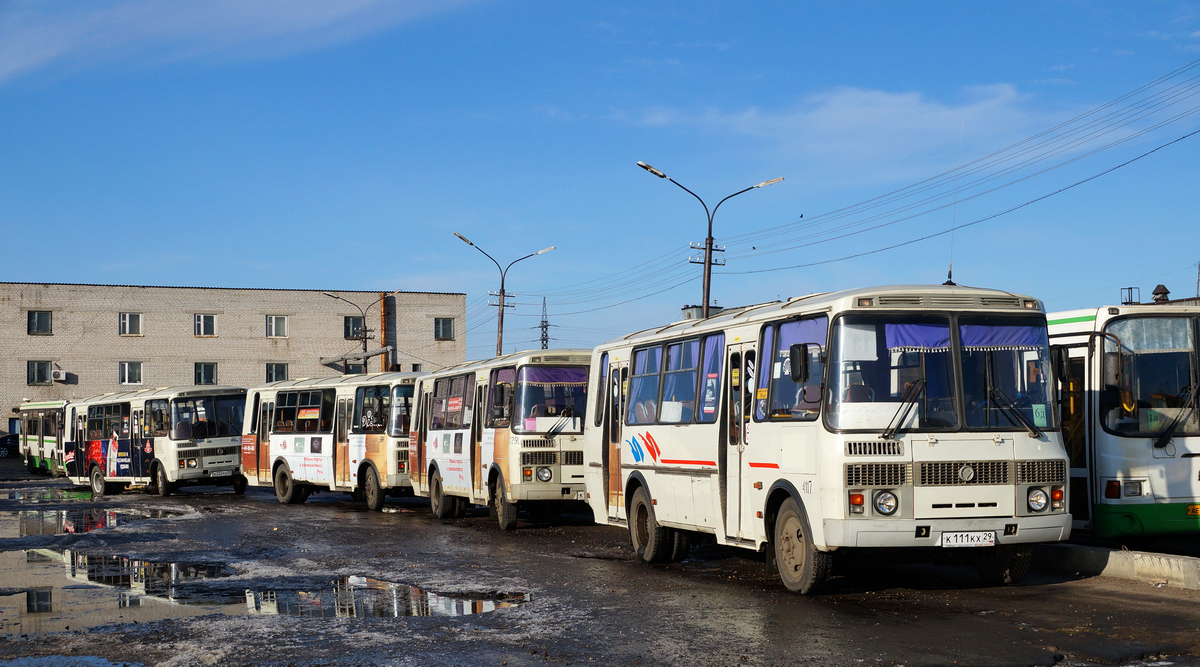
(85, 340)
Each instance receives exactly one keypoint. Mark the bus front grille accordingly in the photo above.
(572, 458)
(878, 474)
(961, 473)
(1049, 471)
(539, 458)
(207, 451)
(537, 442)
(875, 448)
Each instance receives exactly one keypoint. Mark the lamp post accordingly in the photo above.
(708, 240)
(503, 294)
(362, 312)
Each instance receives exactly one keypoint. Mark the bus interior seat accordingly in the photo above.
(182, 431)
(859, 393)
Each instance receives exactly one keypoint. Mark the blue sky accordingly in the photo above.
(308, 144)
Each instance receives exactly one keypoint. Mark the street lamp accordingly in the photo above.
(503, 273)
(362, 312)
(708, 241)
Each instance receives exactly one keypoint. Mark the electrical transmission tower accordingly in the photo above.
(545, 327)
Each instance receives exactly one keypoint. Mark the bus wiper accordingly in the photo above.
(559, 425)
(907, 401)
(1184, 413)
(1013, 410)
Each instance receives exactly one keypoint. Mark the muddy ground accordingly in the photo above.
(206, 577)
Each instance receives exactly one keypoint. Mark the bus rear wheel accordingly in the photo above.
(97, 479)
(652, 542)
(373, 491)
(286, 490)
(802, 568)
(1004, 564)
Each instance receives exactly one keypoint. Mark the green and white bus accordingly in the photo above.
(41, 436)
(1128, 377)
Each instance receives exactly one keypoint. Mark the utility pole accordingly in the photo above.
(545, 327)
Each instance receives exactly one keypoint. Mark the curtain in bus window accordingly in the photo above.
(790, 400)
(643, 390)
(993, 338)
(1004, 362)
(679, 383)
(764, 378)
(710, 381)
(917, 337)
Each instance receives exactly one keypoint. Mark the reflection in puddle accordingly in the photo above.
(23, 523)
(43, 591)
(48, 495)
(363, 597)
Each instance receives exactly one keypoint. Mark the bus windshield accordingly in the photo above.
(551, 399)
(401, 410)
(199, 417)
(897, 372)
(1148, 383)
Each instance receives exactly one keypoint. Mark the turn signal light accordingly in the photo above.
(857, 503)
(1056, 494)
(527, 473)
(1112, 489)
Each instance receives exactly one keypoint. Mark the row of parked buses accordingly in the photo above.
(892, 417)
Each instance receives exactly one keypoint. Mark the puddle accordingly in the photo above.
(23, 523)
(43, 591)
(48, 495)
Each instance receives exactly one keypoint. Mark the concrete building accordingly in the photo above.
(61, 341)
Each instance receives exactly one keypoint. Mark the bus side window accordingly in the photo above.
(735, 398)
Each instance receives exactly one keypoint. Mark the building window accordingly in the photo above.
(416, 368)
(129, 372)
(353, 327)
(37, 372)
(40, 323)
(130, 324)
(276, 372)
(277, 326)
(206, 373)
(353, 368)
(443, 328)
(206, 325)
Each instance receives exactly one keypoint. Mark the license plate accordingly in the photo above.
(982, 538)
(221, 473)
(1193, 510)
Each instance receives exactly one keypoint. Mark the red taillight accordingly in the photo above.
(1112, 489)
(403, 465)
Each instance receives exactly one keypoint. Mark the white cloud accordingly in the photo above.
(38, 33)
(857, 132)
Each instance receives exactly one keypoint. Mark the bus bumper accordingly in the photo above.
(904, 532)
(549, 491)
(208, 476)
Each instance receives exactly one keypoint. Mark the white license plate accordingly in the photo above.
(982, 538)
(221, 473)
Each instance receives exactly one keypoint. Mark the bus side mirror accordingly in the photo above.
(798, 358)
(1059, 361)
(1111, 376)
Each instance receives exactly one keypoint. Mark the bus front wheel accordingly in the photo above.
(443, 506)
(239, 484)
(286, 490)
(652, 542)
(802, 568)
(373, 491)
(506, 511)
(162, 485)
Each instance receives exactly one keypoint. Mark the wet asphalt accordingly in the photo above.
(206, 577)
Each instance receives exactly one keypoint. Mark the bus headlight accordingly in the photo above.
(886, 503)
(1038, 500)
(1131, 489)
(544, 474)
(191, 463)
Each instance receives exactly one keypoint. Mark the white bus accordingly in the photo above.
(346, 433)
(161, 438)
(506, 432)
(41, 426)
(1129, 375)
(904, 416)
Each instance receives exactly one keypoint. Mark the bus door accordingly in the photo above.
(418, 472)
(740, 389)
(618, 378)
(341, 444)
(1078, 437)
(478, 479)
(263, 441)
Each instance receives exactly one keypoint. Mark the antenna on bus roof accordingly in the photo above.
(954, 211)
(950, 275)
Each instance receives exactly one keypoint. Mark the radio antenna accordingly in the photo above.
(954, 210)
